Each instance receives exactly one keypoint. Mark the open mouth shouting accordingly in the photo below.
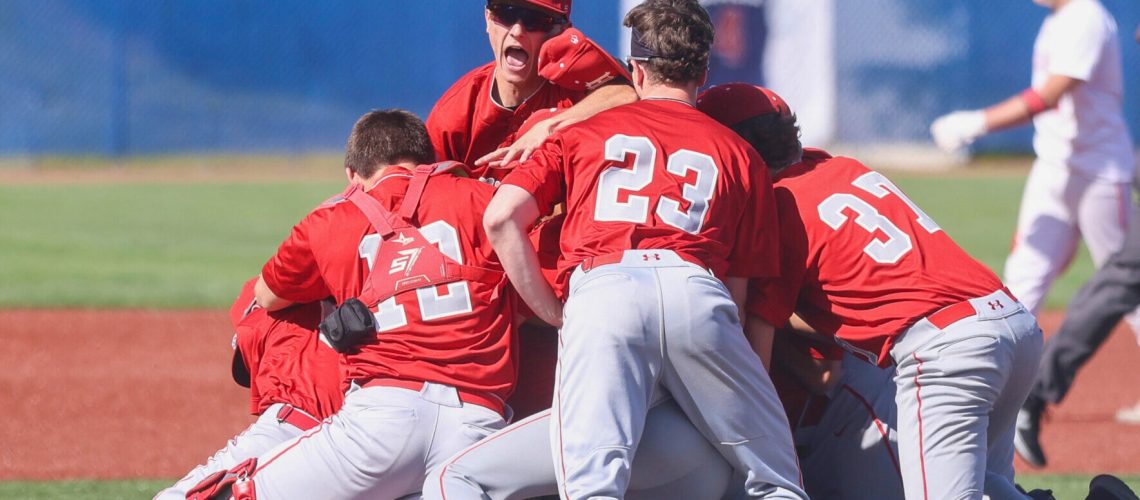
(515, 59)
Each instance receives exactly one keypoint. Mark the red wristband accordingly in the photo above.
(1033, 101)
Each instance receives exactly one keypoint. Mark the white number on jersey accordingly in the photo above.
(635, 209)
(897, 243)
(390, 315)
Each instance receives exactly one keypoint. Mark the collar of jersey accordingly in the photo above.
(491, 95)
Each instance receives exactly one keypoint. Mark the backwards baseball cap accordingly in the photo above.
(556, 7)
(573, 61)
(732, 103)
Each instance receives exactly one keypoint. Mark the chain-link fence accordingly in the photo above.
(133, 77)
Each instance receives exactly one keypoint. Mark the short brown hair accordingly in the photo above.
(387, 137)
(775, 136)
(679, 32)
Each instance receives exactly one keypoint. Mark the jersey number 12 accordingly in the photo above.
(390, 314)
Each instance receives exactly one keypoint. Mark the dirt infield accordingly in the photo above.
(147, 394)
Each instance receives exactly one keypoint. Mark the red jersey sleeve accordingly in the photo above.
(542, 175)
(757, 250)
(774, 298)
(292, 273)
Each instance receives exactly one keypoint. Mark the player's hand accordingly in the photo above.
(521, 149)
(958, 129)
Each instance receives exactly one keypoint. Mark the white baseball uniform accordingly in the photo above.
(1080, 182)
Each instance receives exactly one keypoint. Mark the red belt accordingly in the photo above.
(951, 314)
(297, 418)
(616, 257)
(483, 399)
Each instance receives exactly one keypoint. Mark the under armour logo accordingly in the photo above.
(402, 239)
(994, 305)
(574, 39)
(405, 261)
(645, 257)
(592, 84)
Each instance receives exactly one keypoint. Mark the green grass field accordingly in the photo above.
(191, 244)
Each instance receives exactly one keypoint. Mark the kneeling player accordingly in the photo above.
(293, 380)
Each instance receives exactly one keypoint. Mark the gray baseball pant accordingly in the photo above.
(1095, 310)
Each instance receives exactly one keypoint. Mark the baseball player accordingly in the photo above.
(483, 120)
(293, 379)
(476, 121)
(1102, 148)
(842, 412)
(431, 363)
(661, 205)
(1079, 183)
(1078, 187)
(863, 263)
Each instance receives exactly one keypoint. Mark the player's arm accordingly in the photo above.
(266, 298)
(600, 99)
(818, 375)
(961, 128)
(1021, 108)
(508, 218)
(761, 335)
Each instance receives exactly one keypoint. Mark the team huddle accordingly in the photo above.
(734, 315)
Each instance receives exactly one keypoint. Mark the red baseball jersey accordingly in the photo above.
(860, 261)
(640, 176)
(285, 359)
(466, 123)
(460, 334)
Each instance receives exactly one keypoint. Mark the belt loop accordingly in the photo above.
(284, 413)
(587, 264)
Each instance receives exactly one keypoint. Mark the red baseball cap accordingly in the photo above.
(244, 302)
(732, 103)
(558, 7)
(573, 61)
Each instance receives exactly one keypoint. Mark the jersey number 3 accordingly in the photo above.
(616, 179)
(896, 243)
(390, 314)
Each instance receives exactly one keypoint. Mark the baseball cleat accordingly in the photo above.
(1026, 437)
(1036, 494)
(1109, 487)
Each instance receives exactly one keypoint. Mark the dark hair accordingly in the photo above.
(679, 33)
(775, 137)
(387, 137)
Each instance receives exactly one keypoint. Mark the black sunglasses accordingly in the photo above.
(532, 20)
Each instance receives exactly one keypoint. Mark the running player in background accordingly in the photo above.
(1098, 306)
(862, 263)
(293, 378)
(1079, 184)
(661, 204)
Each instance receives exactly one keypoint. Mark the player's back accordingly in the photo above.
(460, 333)
(874, 262)
(658, 174)
(279, 357)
